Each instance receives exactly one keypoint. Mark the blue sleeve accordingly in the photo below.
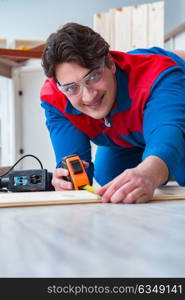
(66, 138)
(164, 118)
(160, 51)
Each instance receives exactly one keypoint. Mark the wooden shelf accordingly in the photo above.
(19, 55)
(14, 58)
(21, 44)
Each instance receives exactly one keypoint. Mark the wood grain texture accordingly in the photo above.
(47, 198)
(131, 27)
(156, 24)
(171, 191)
(165, 193)
(122, 33)
(139, 26)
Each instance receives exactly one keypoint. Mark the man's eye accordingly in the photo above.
(70, 88)
(93, 77)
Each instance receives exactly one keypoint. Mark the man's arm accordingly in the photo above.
(154, 169)
(164, 134)
(136, 185)
(66, 140)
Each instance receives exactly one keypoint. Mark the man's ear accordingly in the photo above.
(111, 64)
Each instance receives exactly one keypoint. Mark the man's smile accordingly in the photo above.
(95, 104)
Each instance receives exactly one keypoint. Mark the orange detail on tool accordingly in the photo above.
(77, 173)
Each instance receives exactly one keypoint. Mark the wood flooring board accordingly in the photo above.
(171, 191)
(165, 193)
(47, 198)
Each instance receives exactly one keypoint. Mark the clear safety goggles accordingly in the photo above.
(89, 81)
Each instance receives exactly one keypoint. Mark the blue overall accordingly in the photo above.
(163, 126)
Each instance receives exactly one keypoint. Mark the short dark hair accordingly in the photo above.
(74, 43)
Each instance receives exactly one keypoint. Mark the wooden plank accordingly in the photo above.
(156, 24)
(139, 26)
(165, 193)
(168, 197)
(16, 58)
(19, 54)
(18, 44)
(123, 28)
(47, 198)
(131, 27)
(101, 24)
(171, 191)
(112, 19)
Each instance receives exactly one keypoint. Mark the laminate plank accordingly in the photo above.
(165, 193)
(47, 198)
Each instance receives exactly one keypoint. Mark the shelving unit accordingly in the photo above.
(11, 59)
(27, 44)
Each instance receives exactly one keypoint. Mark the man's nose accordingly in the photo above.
(88, 94)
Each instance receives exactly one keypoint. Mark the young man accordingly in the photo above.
(132, 105)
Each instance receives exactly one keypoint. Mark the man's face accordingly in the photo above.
(92, 92)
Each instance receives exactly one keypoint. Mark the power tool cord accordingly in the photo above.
(27, 155)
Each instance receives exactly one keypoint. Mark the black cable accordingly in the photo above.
(41, 166)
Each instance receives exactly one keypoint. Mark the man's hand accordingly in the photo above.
(59, 179)
(136, 185)
(59, 182)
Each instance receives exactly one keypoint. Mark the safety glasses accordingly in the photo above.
(89, 81)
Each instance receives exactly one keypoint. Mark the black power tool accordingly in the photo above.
(27, 181)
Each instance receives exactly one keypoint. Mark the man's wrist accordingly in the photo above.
(155, 169)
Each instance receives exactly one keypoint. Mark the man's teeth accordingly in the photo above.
(96, 103)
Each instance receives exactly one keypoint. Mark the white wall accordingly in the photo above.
(30, 129)
(176, 42)
(36, 19)
(179, 41)
(7, 122)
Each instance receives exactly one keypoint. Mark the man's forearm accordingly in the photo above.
(155, 169)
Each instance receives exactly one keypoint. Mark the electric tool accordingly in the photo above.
(27, 181)
(40, 179)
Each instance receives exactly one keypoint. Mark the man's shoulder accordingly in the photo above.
(48, 87)
(147, 54)
(149, 51)
(142, 68)
(50, 94)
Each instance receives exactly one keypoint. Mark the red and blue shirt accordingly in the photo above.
(149, 110)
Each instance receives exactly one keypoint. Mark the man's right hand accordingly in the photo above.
(58, 179)
(59, 182)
